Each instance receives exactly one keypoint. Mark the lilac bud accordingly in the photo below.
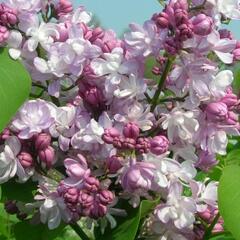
(184, 31)
(206, 161)
(7, 15)
(217, 111)
(106, 197)
(110, 134)
(143, 145)
(85, 199)
(202, 24)
(71, 195)
(159, 145)
(162, 20)
(131, 130)
(224, 33)
(218, 227)
(232, 118)
(98, 211)
(208, 215)
(97, 33)
(47, 156)
(64, 7)
(63, 30)
(181, 17)
(93, 96)
(156, 70)
(91, 184)
(230, 99)
(114, 163)
(4, 135)
(172, 45)
(4, 34)
(128, 143)
(25, 159)
(11, 207)
(43, 140)
(236, 54)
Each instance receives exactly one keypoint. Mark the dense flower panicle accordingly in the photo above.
(102, 131)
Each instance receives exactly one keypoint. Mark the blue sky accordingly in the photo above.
(117, 14)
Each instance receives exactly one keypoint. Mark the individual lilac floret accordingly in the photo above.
(159, 145)
(131, 130)
(139, 176)
(114, 163)
(217, 111)
(25, 159)
(91, 184)
(230, 99)
(32, 118)
(7, 15)
(110, 134)
(4, 34)
(202, 24)
(206, 161)
(43, 140)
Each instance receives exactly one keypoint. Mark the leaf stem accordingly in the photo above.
(161, 82)
(79, 231)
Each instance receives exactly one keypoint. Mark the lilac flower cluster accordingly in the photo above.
(101, 132)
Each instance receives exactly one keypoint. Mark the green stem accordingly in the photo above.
(161, 82)
(172, 99)
(208, 232)
(55, 101)
(39, 86)
(79, 231)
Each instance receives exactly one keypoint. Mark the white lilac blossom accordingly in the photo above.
(32, 118)
(98, 130)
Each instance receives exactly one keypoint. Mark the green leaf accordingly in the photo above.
(229, 199)
(15, 84)
(127, 227)
(41, 232)
(12, 190)
(233, 157)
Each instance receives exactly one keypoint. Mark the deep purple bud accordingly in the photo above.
(159, 145)
(143, 145)
(110, 134)
(11, 207)
(47, 156)
(217, 111)
(91, 184)
(64, 7)
(172, 45)
(131, 130)
(114, 163)
(106, 197)
(43, 140)
(184, 31)
(71, 195)
(85, 199)
(4, 34)
(98, 211)
(25, 159)
(202, 24)
(7, 15)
